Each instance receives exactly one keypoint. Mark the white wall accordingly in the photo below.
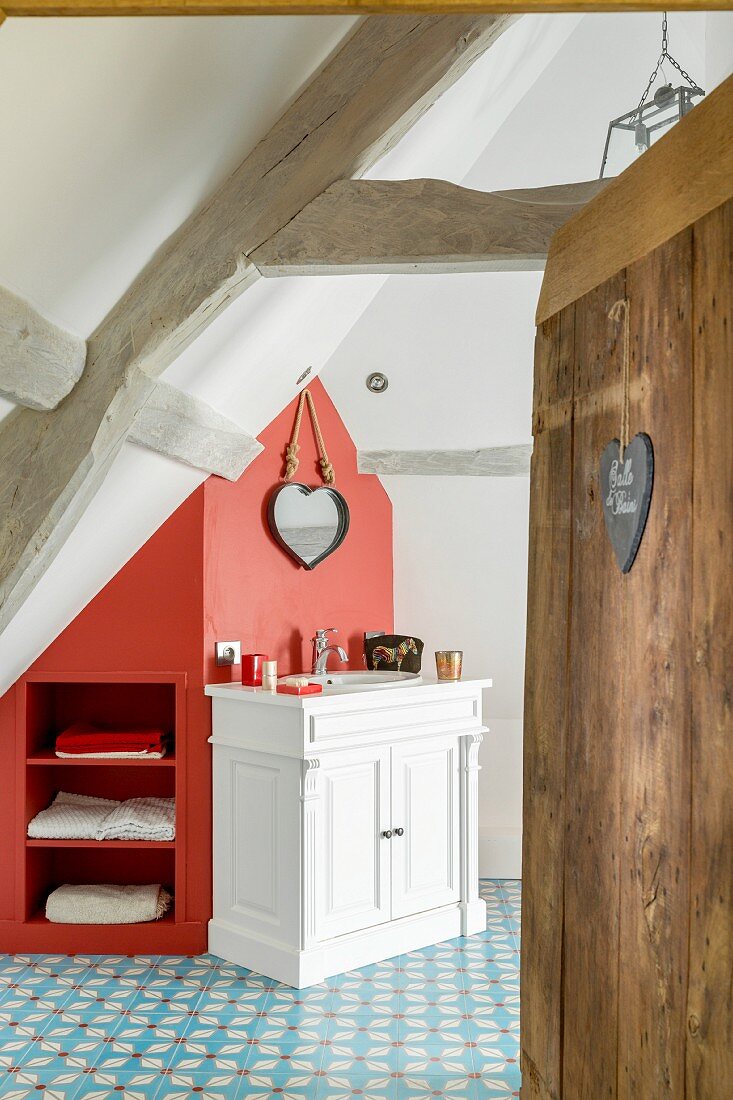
(719, 47)
(460, 583)
(458, 351)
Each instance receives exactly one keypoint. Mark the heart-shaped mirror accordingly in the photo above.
(308, 523)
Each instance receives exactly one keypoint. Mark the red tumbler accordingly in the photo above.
(252, 669)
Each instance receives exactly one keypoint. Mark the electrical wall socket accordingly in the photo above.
(228, 653)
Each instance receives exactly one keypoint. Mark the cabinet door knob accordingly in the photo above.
(387, 834)
(399, 832)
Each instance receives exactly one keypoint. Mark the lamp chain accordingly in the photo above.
(665, 55)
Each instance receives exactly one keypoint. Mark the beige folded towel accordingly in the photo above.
(104, 904)
(71, 817)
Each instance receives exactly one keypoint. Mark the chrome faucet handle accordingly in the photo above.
(325, 631)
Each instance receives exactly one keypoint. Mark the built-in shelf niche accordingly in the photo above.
(47, 704)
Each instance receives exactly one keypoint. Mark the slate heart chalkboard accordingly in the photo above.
(309, 524)
(626, 492)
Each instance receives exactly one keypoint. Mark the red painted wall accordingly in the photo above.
(213, 571)
(255, 592)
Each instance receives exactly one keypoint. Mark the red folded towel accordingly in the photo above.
(83, 737)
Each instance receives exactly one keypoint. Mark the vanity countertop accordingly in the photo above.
(424, 687)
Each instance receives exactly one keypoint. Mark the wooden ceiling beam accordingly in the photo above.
(183, 427)
(421, 226)
(510, 461)
(40, 363)
(362, 102)
(342, 7)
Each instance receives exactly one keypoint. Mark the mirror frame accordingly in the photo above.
(342, 509)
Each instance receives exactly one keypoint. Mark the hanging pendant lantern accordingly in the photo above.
(667, 106)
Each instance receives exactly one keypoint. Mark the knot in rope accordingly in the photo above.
(291, 460)
(327, 473)
(291, 451)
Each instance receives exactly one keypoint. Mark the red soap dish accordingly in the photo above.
(309, 689)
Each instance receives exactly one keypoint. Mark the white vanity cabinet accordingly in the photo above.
(345, 825)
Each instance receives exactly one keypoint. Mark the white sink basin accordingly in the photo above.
(333, 682)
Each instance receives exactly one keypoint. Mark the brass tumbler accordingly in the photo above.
(449, 663)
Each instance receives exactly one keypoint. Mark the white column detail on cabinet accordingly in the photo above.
(309, 841)
(471, 743)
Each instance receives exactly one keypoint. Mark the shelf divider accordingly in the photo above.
(46, 757)
(50, 842)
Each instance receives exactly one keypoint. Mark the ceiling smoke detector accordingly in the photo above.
(377, 382)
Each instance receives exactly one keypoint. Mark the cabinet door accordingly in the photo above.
(425, 803)
(353, 865)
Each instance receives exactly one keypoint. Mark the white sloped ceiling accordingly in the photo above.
(113, 131)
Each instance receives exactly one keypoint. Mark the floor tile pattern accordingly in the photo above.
(442, 1022)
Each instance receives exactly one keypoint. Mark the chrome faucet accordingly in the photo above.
(321, 650)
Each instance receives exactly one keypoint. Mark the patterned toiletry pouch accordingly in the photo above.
(393, 653)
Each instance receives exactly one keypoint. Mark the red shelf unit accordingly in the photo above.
(46, 704)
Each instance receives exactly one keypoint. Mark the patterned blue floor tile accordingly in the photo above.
(443, 1021)
(222, 1029)
(199, 1086)
(494, 1088)
(20, 1002)
(93, 998)
(12, 1057)
(232, 1000)
(302, 1058)
(196, 1057)
(495, 1030)
(134, 1056)
(255, 980)
(319, 998)
(422, 1087)
(416, 1003)
(354, 1029)
(493, 976)
(120, 1086)
(82, 1055)
(284, 1086)
(359, 1002)
(432, 1031)
(35, 1080)
(431, 1059)
(180, 999)
(496, 1060)
(364, 1058)
(312, 1027)
(344, 1087)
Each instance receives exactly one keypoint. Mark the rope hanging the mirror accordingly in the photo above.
(291, 451)
(308, 523)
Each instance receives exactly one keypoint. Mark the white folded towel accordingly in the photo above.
(105, 904)
(112, 755)
(140, 819)
(83, 817)
(71, 817)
